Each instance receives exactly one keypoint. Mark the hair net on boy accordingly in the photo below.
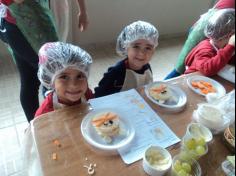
(221, 24)
(135, 31)
(55, 57)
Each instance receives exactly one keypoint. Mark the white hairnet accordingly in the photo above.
(3, 10)
(135, 31)
(56, 57)
(221, 24)
(3, 14)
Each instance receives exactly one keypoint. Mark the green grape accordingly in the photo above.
(182, 173)
(200, 150)
(177, 166)
(191, 144)
(184, 155)
(186, 167)
(190, 154)
(201, 142)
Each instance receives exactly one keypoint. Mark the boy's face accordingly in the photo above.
(70, 85)
(140, 53)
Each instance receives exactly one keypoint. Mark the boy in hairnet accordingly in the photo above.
(196, 35)
(214, 53)
(136, 43)
(63, 68)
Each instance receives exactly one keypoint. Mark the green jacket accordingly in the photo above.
(35, 21)
(195, 37)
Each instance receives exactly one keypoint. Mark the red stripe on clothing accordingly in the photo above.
(9, 17)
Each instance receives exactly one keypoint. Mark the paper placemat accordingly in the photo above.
(150, 129)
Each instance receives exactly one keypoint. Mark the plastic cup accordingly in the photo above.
(195, 167)
(197, 150)
(155, 168)
(198, 131)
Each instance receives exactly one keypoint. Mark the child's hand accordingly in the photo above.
(232, 40)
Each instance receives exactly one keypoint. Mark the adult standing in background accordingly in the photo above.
(25, 26)
(196, 35)
(63, 13)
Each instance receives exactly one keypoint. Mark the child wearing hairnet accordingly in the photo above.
(214, 53)
(197, 35)
(136, 44)
(63, 68)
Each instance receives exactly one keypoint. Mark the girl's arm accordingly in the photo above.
(82, 16)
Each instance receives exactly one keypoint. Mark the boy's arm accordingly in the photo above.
(106, 85)
(82, 15)
(210, 65)
(110, 83)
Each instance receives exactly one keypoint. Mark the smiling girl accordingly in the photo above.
(63, 68)
(136, 43)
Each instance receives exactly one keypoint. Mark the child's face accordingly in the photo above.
(70, 85)
(222, 42)
(140, 53)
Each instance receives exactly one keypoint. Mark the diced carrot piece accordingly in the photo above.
(194, 84)
(99, 121)
(54, 156)
(204, 91)
(200, 85)
(101, 117)
(57, 143)
(207, 84)
(159, 89)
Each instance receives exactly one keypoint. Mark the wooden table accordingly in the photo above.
(64, 125)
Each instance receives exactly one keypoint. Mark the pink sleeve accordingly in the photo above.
(223, 4)
(47, 106)
(89, 94)
(7, 2)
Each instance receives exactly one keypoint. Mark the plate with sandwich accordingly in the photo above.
(168, 96)
(107, 129)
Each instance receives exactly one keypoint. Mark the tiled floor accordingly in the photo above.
(12, 119)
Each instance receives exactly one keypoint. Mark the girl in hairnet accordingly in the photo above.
(64, 68)
(214, 53)
(136, 43)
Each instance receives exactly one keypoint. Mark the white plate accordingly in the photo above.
(174, 104)
(220, 90)
(119, 142)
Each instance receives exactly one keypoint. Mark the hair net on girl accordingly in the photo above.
(3, 14)
(135, 31)
(221, 24)
(56, 57)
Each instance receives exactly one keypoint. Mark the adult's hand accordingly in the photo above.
(82, 16)
(83, 21)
